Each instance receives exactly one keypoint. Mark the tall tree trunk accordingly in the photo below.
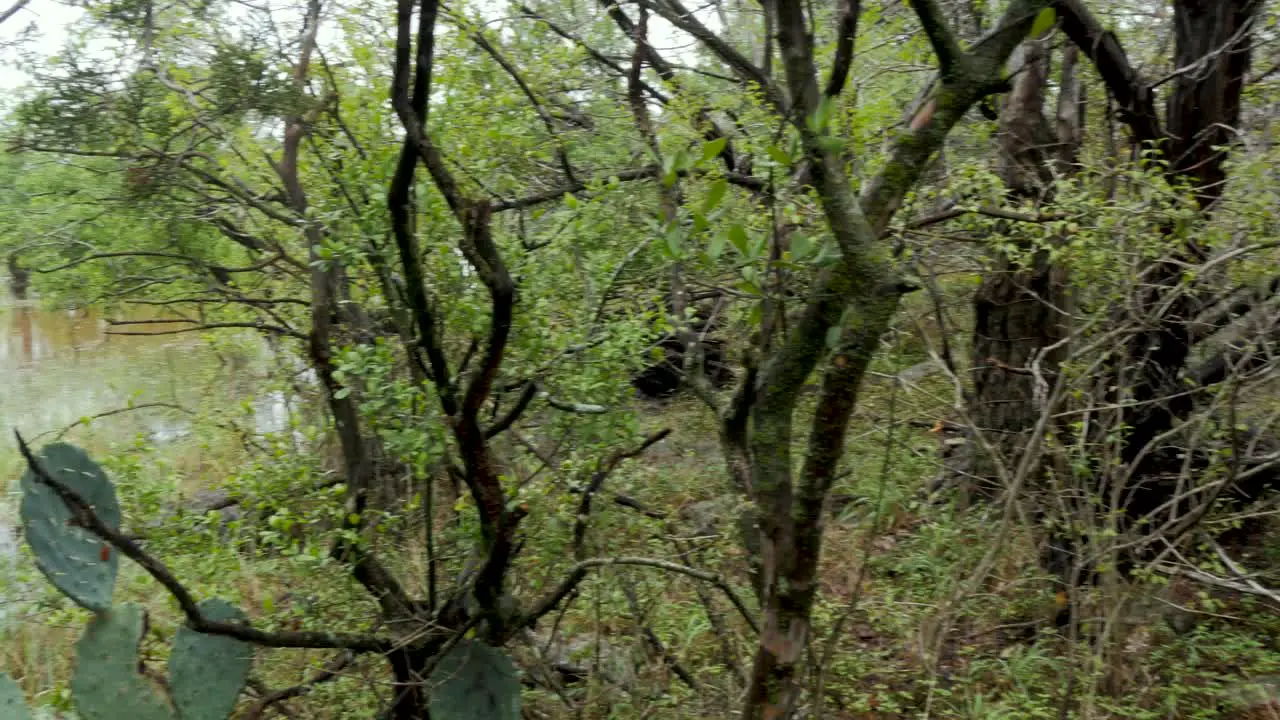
(1212, 58)
(1213, 43)
(1020, 309)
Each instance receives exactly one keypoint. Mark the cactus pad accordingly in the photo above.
(475, 682)
(76, 561)
(12, 704)
(207, 672)
(106, 684)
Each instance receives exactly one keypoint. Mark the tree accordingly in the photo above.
(552, 240)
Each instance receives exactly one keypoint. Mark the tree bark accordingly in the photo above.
(1212, 58)
(858, 302)
(1021, 307)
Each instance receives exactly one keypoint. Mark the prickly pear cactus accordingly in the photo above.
(475, 682)
(77, 562)
(106, 684)
(12, 704)
(207, 672)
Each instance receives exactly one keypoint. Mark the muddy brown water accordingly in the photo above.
(59, 366)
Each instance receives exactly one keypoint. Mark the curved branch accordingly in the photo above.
(603, 470)
(648, 172)
(330, 672)
(1133, 94)
(84, 516)
(201, 327)
(676, 14)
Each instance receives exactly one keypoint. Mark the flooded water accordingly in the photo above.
(58, 366)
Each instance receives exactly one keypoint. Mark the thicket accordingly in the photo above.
(971, 347)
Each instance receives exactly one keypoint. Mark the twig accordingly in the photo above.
(655, 643)
(579, 571)
(277, 696)
(602, 472)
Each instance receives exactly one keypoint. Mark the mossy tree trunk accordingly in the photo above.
(840, 325)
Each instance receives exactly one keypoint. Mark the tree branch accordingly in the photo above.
(13, 9)
(1133, 94)
(579, 571)
(603, 470)
(330, 672)
(85, 517)
(676, 14)
(647, 172)
(201, 327)
(941, 38)
(526, 397)
(847, 38)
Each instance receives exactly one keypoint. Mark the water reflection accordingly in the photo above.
(59, 366)
(31, 334)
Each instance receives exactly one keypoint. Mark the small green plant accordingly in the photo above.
(206, 672)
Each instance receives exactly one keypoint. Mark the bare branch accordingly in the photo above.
(12, 10)
(603, 470)
(579, 571)
(1134, 95)
(941, 38)
(648, 172)
(330, 672)
(201, 327)
(676, 14)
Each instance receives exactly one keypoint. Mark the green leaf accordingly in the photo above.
(833, 337)
(712, 148)
(475, 682)
(716, 246)
(820, 120)
(801, 246)
(715, 194)
(682, 161)
(738, 236)
(12, 705)
(675, 240)
(827, 143)
(341, 393)
(778, 155)
(571, 201)
(207, 672)
(1044, 21)
(71, 557)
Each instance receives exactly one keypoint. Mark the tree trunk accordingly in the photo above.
(411, 699)
(1020, 310)
(19, 278)
(1214, 36)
